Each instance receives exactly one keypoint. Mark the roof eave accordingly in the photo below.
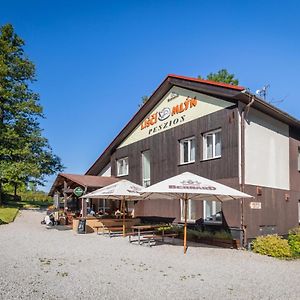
(204, 86)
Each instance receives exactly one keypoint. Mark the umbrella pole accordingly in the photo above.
(185, 223)
(123, 210)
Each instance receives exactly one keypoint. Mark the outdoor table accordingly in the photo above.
(140, 228)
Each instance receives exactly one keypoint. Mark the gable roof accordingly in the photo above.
(217, 89)
(87, 181)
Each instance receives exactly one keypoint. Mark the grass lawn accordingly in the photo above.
(8, 214)
(10, 208)
(25, 204)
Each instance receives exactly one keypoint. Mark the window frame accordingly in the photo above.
(127, 169)
(189, 211)
(298, 159)
(299, 211)
(214, 211)
(144, 180)
(181, 150)
(105, 206)
(213, 134)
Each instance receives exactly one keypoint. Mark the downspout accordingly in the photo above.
(244, 114)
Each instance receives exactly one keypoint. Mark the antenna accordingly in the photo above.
(273, 101)
(262, 93)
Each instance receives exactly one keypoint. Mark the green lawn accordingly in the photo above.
(8, 214)
(25, 204)
(10, 208)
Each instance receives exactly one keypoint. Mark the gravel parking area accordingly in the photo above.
(41, 263)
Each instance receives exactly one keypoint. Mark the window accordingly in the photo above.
(212, 211)
(104, 205)
(299, 211)
(122, 166)
(146, 168)
(191, 210)
(298, 158)
(187, 150)
(212, 144)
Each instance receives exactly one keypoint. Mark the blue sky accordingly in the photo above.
(96, 59)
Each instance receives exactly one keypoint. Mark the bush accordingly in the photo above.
(35, 196)
(294, 240)
(205, 235)
(192, 234)
(223, 235)
(166, 229)
(272, 245)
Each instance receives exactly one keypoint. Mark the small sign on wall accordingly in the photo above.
(255, 205)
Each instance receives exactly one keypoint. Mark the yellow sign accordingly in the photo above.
(177, 107)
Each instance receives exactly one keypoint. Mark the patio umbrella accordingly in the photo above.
(123, 190)
(191, 186)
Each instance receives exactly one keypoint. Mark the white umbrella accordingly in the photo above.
(123, 190)
(190, 186)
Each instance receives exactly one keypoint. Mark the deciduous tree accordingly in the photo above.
(25, 155)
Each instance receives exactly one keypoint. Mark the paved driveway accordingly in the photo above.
(37, 263)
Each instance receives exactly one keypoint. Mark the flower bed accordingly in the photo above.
(219, 238)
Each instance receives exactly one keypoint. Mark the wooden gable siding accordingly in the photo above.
(164, 150)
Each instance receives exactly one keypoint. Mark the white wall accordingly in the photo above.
(106, 171)
(266, 151)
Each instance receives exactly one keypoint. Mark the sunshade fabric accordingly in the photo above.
(194, 187)
(123, 189)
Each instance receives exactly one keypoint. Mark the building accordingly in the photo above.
(221, 132)
(71, 186)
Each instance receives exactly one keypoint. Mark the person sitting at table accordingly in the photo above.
(118, 214)
(91, 212)
(100, 212)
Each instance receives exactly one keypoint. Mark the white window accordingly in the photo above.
(187, 150)
(146, 168)
(212, 144)
(212, 211)
(122, 166)
(104, 205)
(299, 211)
(191, 210)
(298, 158)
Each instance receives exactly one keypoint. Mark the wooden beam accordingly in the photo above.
(65, 194)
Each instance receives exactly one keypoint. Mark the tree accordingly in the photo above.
(222, 76)
(144, 100)
(25, 155)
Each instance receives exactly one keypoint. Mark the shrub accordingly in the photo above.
(223, 235)
(166, 229)
(192, 234)
(294, 240)
(272, 245)
(35, 196)
(205, 235)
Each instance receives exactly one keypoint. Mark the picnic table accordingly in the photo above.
(147, 233)
(109, 229)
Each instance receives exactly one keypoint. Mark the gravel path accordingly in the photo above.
(38, 263)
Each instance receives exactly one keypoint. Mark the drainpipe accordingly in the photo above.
(244, 114)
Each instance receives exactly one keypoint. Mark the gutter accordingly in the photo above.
(244, 114)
